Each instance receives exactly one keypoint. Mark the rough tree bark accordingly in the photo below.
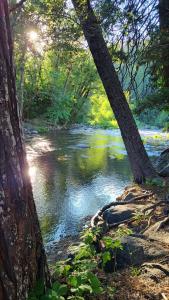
(22, 256)
(139, 161)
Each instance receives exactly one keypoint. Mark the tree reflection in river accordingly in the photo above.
(83, 171)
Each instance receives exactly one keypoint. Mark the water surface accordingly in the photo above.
(76, 172)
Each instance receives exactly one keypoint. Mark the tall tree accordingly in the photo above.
(140, 163)
(22, 256)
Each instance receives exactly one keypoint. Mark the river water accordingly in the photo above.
(75, 172)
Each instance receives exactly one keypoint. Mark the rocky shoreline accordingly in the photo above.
(145, 255)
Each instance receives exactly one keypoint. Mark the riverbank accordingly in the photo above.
(43, 126)
(106, 249)
(138, 268)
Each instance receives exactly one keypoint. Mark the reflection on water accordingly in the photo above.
(74, 173)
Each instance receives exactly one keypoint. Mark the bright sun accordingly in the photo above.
(33, 36)
(36, 41)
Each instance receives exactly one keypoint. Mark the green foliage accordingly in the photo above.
(90, 235)
(156, 182)
(166, 127)
(57, 292)
(123, 231)
(135, 271)
(106, 257)
(42, 129)
(76, 278)
(56, 76)
(112, 244)
(140, 216)
(159, 99)
(100, 112)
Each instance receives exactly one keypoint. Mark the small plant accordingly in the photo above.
(135, 271)
(56, 292)
(110, 292)
(76, 278)
(109, 254)
(90, 235)
(140, 217)
(123, 231)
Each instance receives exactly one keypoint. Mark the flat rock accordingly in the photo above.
(118, 214)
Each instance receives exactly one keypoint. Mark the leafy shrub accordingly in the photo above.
(76, 277)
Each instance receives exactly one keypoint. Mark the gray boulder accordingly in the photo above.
(136, 251)
(118, 214)
(162, 164)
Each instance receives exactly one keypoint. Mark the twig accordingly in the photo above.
(148, 225)
(153, 206)
(162, 223)
(119, 223)
(164, 296)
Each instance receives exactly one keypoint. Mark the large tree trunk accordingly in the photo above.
(22, 256)
(164, 38)
(140, 163)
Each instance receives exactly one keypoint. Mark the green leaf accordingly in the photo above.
(56, 286)
(66, 270)
(74, 290)
(52, 294)
(108, 242)
(117, 245)
(72, 280)
(95, 283)
(93, 278)
(106, 257)
(84, 252)
(88, 239)
(85, 288)
(62, 291)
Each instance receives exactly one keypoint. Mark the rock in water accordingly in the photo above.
(82, 146)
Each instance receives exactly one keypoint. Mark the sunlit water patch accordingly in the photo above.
(76, 172)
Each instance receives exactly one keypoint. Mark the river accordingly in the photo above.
(75, 172)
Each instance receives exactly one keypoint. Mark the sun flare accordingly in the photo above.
(33, 36)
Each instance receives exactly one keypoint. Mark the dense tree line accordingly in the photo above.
(55, 66)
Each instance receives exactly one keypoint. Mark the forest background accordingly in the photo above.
(57, 81)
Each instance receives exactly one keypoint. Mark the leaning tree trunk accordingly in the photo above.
(22, 256)
(140, 163)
